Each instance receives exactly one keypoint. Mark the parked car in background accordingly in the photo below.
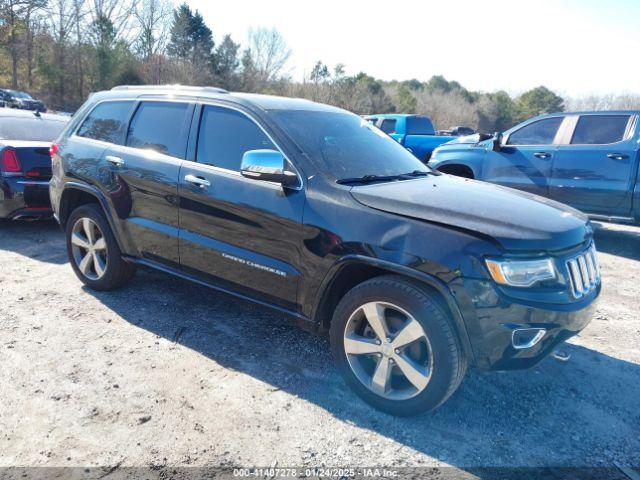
(458, 131)
(21, 100)
(25, 163)
(414, 132)
(588, 160)
(311, 210)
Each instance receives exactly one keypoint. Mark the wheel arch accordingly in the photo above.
(458, 169)
(75, 195)
(352, 270)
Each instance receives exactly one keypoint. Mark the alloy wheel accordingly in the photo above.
(388, 350)
(89, 248)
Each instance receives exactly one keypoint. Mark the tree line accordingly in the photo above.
(61, 50)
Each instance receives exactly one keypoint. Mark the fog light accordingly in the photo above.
(526, 337)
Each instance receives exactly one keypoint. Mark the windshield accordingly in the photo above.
(17, 94)
(346, 145)
(35, 129)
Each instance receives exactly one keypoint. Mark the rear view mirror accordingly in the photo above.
(267, 165)
(497, 141)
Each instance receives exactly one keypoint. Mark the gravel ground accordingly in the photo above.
(166, 373)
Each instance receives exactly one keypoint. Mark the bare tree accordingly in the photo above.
(447, 108)
(80, 13)
(269, 53)
(12, 13)
(118, 12)
(32, 24)
(154, 22)
(61, 16)
(604, 102)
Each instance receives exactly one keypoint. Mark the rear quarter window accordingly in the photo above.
(107, 122)
(600, 129)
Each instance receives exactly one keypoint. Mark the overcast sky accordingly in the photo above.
(573, 47)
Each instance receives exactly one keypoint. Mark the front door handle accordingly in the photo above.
(113, 160)
(617, 156)
(198, 181)
(542, 155)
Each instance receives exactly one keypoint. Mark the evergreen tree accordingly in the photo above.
(537, 101)
(180, 43)
(406, 102)
(249, 72)
(104, 34)
(191, 39)
(201, 40)
(226, 63)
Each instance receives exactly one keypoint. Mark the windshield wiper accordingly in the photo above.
(385, 178)
(421, 173)
(367, 179)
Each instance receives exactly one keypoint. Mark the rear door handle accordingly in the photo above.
(617, 156)
(198, 181)
(542, 155)
(113, 160)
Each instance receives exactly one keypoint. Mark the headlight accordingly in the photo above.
(518, 273)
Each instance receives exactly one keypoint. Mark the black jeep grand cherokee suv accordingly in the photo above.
(308, 209)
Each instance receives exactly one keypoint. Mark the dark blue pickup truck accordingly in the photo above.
(588, 160)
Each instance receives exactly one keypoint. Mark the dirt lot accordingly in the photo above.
(167, 373)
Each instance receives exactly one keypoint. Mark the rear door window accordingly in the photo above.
(388, 126)
(419, 126)
(160, 126)
(541, 132)
(225, 135)
(600, 129)
(107, 122)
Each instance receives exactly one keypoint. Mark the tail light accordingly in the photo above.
(53, 149)
(9, 162)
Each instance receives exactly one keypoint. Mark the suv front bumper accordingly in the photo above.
(491, 319)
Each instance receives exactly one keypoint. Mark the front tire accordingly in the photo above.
(93, 251)
(396, 347)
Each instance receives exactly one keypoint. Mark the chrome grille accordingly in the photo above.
(584, 272)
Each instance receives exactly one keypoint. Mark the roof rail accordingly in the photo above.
(175, 87)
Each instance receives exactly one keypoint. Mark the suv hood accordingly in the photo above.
(518, 220)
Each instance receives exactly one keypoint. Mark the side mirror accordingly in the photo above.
(267, 165)
(497, 141)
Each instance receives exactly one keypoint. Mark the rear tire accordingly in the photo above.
(93, 251)
(425, 362)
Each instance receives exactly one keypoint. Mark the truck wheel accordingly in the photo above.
(93, 251)
(396, 347)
